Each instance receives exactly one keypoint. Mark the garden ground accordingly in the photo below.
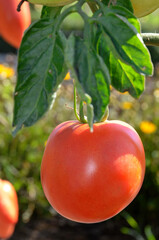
(59, 228)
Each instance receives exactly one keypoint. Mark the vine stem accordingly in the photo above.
(92, 6)
(150, 39)
(106, 115)
(75, 105)
(63, 15)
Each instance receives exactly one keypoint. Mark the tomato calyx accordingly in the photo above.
(106, 115)
(81, 116)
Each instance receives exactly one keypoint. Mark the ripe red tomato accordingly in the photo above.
(8, 209)
(13, 23)
(90, 177)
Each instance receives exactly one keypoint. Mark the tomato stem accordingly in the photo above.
(75, 105)
(106, 115)
(82, 117)
(20, 5)
(92, 6)
(63, 15)
(150, 39)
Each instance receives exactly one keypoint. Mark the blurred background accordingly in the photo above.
(20, 157)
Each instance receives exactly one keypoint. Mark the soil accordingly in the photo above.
(59, 228)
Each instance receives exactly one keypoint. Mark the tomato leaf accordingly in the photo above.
(127, 4)
(111, 47)
(69, 58)
(41, 69)
(135, 24)
(92, 75)
(123, 76)
(50, 12)
(124, 40)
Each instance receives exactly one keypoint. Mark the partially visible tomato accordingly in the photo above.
(90, 177)
(144, 7)
(13, 23)
(52, 3)
(8, 209)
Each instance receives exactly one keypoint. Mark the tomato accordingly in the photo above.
(144, 7)
(8, 209)
(13, 23)
(90, 177)
(52, 3)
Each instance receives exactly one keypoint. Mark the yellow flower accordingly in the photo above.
(127, 105)
(67, 77)
(148, 127)
(124, 92)
(6, 72)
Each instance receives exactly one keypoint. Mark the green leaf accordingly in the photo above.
(123, 76)
(127, 4)
(69, 59)
(132, 233)
(41, 69)
(50, 12)
(148, 233)
(124, 40)
(128, 15)
(131, 221)
(92, 75)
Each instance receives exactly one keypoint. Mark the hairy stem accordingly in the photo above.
(151, 39)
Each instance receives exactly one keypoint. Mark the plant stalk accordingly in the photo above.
(75, 105)
(92, 6)
(150, 39)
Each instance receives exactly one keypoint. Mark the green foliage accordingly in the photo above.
(45, 56)
(134, 229)
(91, 74)
(39, 75)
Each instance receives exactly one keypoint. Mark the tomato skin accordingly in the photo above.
(52, 3)
(90, 177)
(8, 209)
(144, 7)
(6, 229)
(13, 23)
